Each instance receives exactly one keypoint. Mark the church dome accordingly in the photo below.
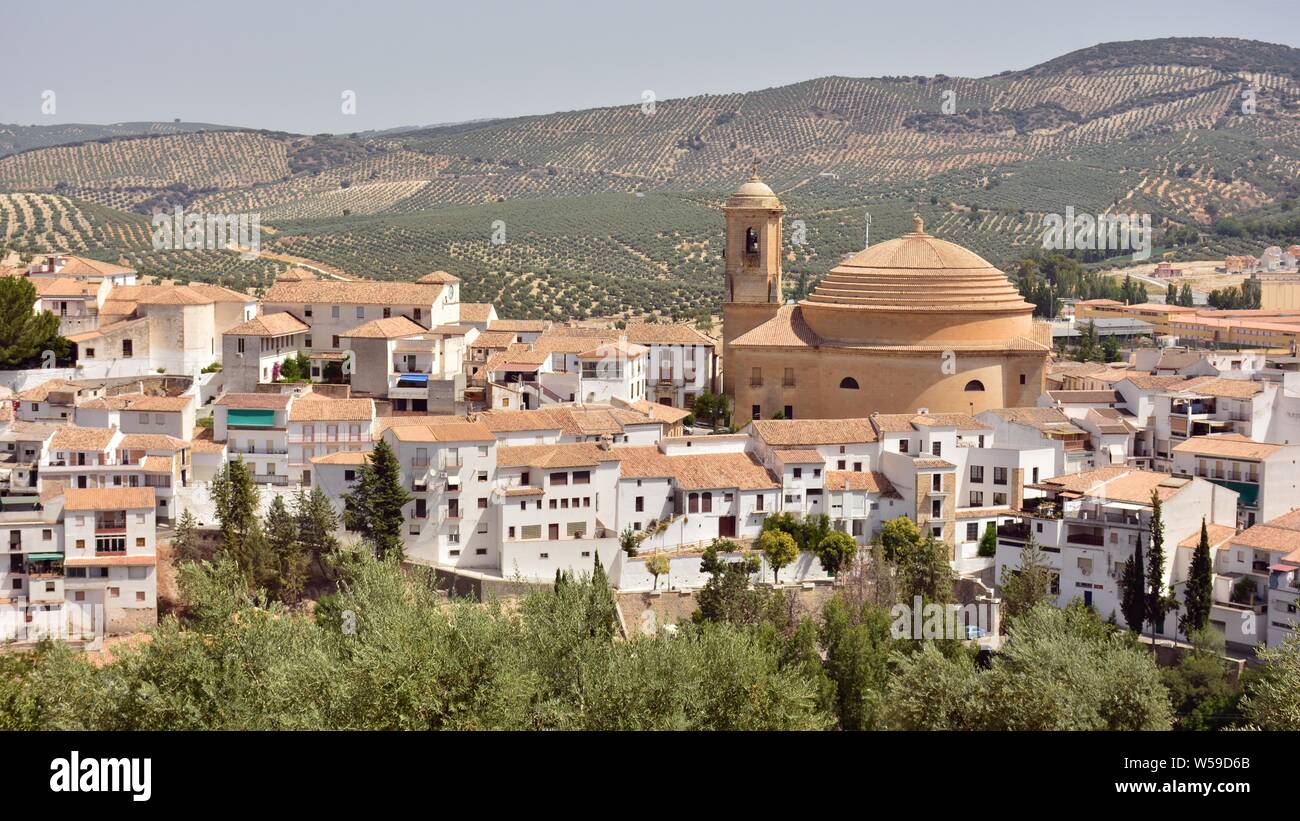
(754, 194)
(917, 289)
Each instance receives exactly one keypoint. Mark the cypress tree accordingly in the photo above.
(1157, 604)
(1133, 602)
(1200, 586)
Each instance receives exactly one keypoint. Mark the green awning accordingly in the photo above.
(251, 418)
(1247, 493)
(45, 557)
(19, 501)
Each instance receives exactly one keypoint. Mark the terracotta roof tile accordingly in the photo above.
(787, 432)
(872, 481)
(315, 409)
(392, 327)
(1231, 445)
(279, 323)
(362, 292)
(85, 439)
(108, 498)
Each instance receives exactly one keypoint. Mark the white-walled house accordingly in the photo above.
(1264, 475)
(111, 554)
(253, 352)
(1088, 525)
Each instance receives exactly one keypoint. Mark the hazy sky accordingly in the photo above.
(284, 65)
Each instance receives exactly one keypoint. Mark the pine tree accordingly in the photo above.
(24, 334)
(374, 508)
(1028, 586)
(317, 524)
(1133, 602)
(236, 498)
(1200, 586)
(291, 563)
(185, 538)
(1157, 603)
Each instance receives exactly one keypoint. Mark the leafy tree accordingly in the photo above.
(1060, 670)
(898, 537)
(1185, 296)
(1199, 592)
(1110, 350)
(1030, 585)
(729, 597)
(374, 507)
(1270, 702)
(25, 335)
(1133, 601)
(1201, 691)
(629, 542)
(858, 646)
(835, 551)
(657, 565)
(925, 571)
(780, 549)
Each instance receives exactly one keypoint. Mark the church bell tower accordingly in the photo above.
(753, 265)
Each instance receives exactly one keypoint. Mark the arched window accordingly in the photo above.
(848, 383)
(974, 385)
(751, 241)
(693, 503)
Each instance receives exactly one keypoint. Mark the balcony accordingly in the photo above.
(110, 524)
(1086, 539)
(451, 462)
(256, 451)
(270, 479)
(314, 438)
(1014, 532)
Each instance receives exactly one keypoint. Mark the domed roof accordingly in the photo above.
(754, 194)
(919, 272)
(916, 288)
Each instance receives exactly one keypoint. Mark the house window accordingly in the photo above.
(999, 499)
(975, 386)
(798, 473)
(787, 378)
(334, 311)
(902, 445)
(90, 352)
(693, 503)
(972, 531)
(640, 504)
(239, 344)
(361, 312)
(788, 411)
(999, 476)
(936, 448)
(127, 349)
(977, 473)
(560, 479)
(976, 498)
(754, 412)
(1022, 379)
(708, 503)
(936, 509)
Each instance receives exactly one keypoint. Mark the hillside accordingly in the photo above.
(1155, 127)
(15, 138)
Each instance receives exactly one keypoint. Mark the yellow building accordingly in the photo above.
(914, 322)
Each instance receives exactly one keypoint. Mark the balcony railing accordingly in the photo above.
(303, 439)
(270, 478)
(256, 451)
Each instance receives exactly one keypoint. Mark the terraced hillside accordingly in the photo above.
(611, 209)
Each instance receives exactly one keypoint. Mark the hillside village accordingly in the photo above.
(530, 447)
